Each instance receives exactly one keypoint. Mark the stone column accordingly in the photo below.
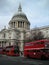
(1, 43)
(24, 25)
(14, 24)
(21, 46)
(17, 24)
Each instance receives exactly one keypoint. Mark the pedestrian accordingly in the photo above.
(21, 53)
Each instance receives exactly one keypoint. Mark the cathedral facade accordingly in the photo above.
(19, 28)
(14, 35)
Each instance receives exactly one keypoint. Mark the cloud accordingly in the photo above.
(44, 4)
(4, 20)
(8, 6)
(37, 11)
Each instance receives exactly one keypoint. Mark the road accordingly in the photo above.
(9, 60)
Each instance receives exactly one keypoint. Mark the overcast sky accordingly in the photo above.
(37, 11)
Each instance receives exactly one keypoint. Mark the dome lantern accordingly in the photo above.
(19, 8)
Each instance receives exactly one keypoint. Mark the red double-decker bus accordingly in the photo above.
(4, 51)
(12, 50)
(1, 50)
(37, 49)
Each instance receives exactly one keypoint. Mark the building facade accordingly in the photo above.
(15, 33)
(44, 30)
(19, 28)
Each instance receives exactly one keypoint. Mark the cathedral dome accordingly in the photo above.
(19, 20)
(19, 14)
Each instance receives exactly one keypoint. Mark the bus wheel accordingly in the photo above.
(43, 57)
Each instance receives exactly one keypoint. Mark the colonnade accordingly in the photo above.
(19, 24)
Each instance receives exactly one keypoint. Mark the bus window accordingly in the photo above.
(40, 42)
(45, 50)
(37, 50)
(34, 50)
